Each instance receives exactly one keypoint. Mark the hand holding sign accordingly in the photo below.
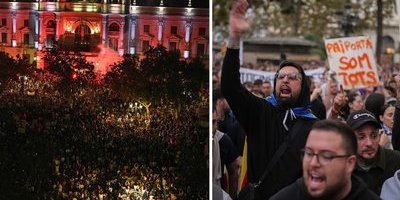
(339, 101)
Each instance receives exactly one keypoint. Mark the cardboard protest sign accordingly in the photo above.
(353, 61)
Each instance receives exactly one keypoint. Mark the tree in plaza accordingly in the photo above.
(124, 77)
(72, 69)
(13, 68)
(195, 78)
(162, 73)
(300, 17)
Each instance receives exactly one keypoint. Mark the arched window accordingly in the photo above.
(114, 27)
(83, 30)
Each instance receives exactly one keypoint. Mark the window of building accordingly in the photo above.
(50, 40)
(200, 49)
(174, 30)
(26, 38)
(26, 23)
(4, 22)
(145, 45)
(172, 46)
(113, 43)
(146, 28)
(3, 37)
(114, 27)
(202, 31)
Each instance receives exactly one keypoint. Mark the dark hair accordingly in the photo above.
(217, 94)
(304, 97)
(384, 107)
(352, 96)
(258, 82)
(342, 129)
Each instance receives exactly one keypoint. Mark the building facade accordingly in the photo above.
(100, 29)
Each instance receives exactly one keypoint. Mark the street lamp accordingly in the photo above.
(348, 18)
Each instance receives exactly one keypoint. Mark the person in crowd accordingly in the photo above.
(391, 187)
(317, 107)
(353, 102)
(386, 119)
(375, 164)
(258, 88)
(269, 122)
(329, 158)
(267, 88)
(331, 90)
(396, 117)
(228, 123)
(374, 103)
(224, 155)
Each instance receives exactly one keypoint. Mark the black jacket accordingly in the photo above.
(262, 123)
(297, 191)
(387, 163)
(234, 130)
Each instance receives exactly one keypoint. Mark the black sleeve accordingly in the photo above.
(396, 127)
(227, 150)
(243, 103)
(241, 135)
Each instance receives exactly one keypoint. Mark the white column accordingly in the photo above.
(188, 30)
(132, 29)
(36, 37)
(14, 29)
(160, 30)
(104, 35)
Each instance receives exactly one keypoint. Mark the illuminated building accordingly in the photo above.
(104, 29)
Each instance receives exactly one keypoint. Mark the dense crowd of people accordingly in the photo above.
(305, 134)
(94, 144)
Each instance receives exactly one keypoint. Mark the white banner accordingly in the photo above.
(250, 75)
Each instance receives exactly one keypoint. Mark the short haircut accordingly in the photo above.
(342, 129)
(258, 82)
(217, 94)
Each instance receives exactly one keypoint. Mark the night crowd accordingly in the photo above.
(94, 144)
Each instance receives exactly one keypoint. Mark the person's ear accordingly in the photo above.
(351, 162)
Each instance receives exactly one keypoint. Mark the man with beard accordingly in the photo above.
(329, 158)
(375, 164)
(279, 122)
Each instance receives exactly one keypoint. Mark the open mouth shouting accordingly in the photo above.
(316, 181)
(285, 91)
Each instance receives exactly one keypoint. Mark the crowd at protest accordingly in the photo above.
(299, 136)
(94, 144)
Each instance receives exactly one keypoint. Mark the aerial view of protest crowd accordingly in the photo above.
(92, 142)
(319, 129)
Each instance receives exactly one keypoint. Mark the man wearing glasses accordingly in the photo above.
(283, 118)
(375, 164)
(329, 157)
